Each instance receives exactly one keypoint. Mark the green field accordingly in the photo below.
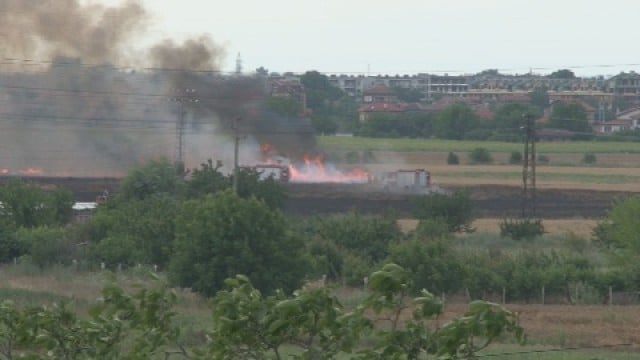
(346, 143)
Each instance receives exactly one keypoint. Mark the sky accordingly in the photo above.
(591, 37)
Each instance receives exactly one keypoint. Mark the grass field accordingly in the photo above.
(438, 145)
(617, 164)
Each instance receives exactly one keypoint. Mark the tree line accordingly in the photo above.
(332, 110)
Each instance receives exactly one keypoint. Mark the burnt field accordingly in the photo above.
(310, 199)
(489, 201)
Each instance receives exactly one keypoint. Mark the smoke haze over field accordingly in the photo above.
(72, 104)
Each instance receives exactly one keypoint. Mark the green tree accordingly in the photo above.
(509, 116)
(222, 235)
(540, 98)
(248, 325)
(153, 178)
(455, 121)
(480, 156)
(453, 159)
(412, 338)
(121, 326)
(311, 323)
(269, 190)
(619, 231)
(328, 101)
(562, 74)
(321, 95)
(208, 179)
(515, 157)
(284, 105)
(27, 205)
(569, 116)
(455, 209)
(134, 232)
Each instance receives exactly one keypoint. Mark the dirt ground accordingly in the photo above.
(573, 325)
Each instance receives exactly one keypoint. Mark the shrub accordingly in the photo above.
(434, 264)
(454, 209)
(589, 158)
(543, 159)
(47, 246)
(452, 159)
(480, 156)
(519, 229)
(515, 158)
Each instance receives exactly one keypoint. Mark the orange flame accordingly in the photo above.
(315, 170)
(4, 171)
(31, 171)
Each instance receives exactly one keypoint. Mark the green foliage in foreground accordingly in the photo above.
(309, 324)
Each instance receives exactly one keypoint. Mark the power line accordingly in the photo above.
(59, 63)
(576, 348)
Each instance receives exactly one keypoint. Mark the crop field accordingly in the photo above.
(346, 143)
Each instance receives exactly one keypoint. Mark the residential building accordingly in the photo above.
(428, 84)
(625, 84)
(626, 120)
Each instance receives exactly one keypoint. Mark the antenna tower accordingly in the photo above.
(529, 168)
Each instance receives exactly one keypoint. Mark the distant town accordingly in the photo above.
(611, 104)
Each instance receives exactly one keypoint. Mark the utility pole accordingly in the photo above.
(529, 168)
(182, 96)
(236, 150)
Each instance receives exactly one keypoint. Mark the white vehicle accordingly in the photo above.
(275, 171)
(407, 179)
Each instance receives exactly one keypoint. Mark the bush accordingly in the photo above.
(433, 264)
(480, 156)
(543, 159)
(515, 158)
(47, 246)
(452, 159)
(367, 236)
(589, 158)
(519, 229)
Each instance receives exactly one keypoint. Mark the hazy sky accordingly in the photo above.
(410, 36)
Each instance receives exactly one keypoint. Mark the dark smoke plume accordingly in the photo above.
(47, 28)
(66, 110)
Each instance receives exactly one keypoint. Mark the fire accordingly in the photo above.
(31, 171)
(4, 171)
(313, 169)
(316, 170)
